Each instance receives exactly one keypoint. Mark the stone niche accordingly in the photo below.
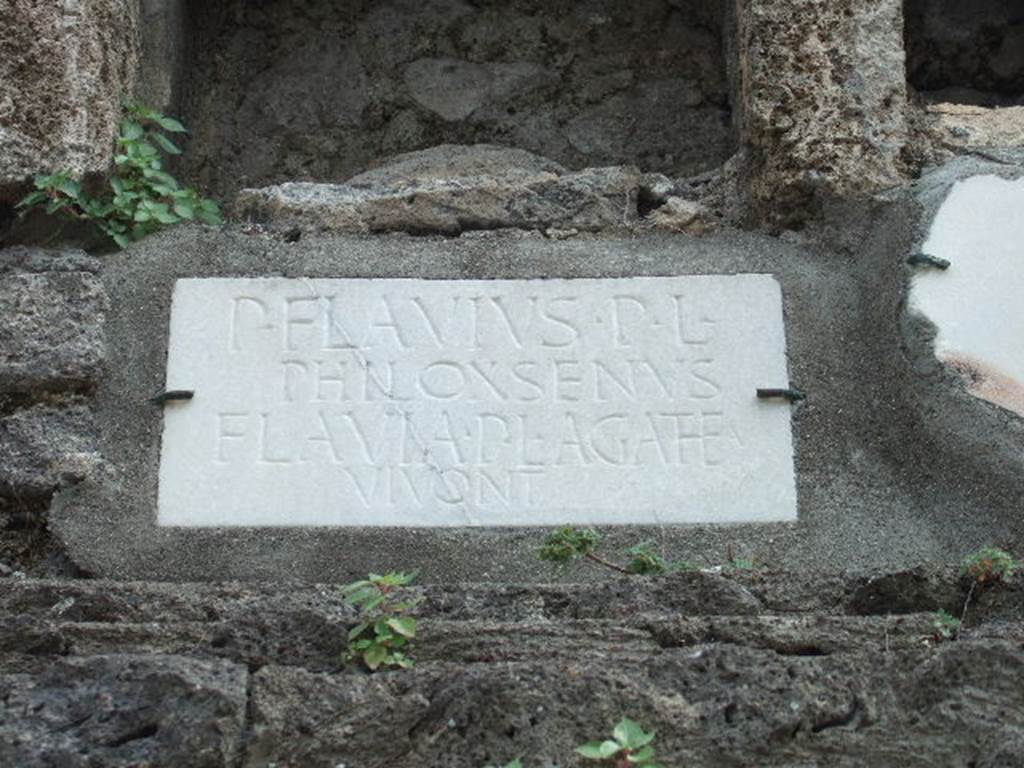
(319, 90)
(967, 52)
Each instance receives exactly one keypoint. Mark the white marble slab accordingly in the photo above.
(977, 305)
(476, 403)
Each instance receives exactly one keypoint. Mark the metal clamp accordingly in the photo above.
(792, 394)
(926, 260)
(171, 395)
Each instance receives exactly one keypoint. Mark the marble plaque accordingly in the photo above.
(976, 304)
(388, 402)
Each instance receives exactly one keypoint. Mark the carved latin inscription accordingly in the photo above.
(450, 403)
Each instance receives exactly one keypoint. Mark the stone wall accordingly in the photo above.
(320, 90)
(52, 355)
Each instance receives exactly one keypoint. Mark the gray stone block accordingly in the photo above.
(64, 68)
(51, 331)
(44, 445)
(451, 189)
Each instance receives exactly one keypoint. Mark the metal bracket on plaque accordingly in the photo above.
(171, 395)
(792, 394)
(927, 260)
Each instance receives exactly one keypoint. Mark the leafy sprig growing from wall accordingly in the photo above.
(140, 197)
(567, 545)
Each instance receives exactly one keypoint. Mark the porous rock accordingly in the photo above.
(507, 670)
(51, 332)
(451, 189)
(64, 68)
(121, 711)
(824, 98)
(44, 445)
(964, 127)
(686, 216)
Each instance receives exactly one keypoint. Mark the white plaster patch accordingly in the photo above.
(977, 305)
(476, 403)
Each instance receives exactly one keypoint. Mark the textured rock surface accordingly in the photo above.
(51, 331)
(686, 216)
(124, 711)
(321, 90)
(749, 668)
(824, 100)
(975, 50)
(44, 445)
(64, 68)
(450, 189)
(962, 127)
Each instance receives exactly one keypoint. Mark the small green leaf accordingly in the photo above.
(31, 199)
(360, 596)
(131, 131)
(210, 214)
(641, 755)
(121, 240)
(630, 735)
(167, 217)
(357, 630)
(165, 144)
(375, 656)
(373, 602)
(168, 123)
(70, 188)
(599, 750)
(403, 625)
(354, 586)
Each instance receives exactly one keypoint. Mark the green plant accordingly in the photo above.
(567, 545)
(989, 565)
(141, 197)
(629, 747)
(946, 626)
(381, 637)
(644, 561)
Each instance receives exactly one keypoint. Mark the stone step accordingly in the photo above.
(700, 593)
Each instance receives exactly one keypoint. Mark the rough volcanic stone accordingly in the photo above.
(318, 91)
(44, 445)
(508, 670)
(962, 127)
(124, 711)
(51, 330)
(23, 258)
(824, 99)
(686, 216)
(715, 703)
(64, 68)
(451, 189)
